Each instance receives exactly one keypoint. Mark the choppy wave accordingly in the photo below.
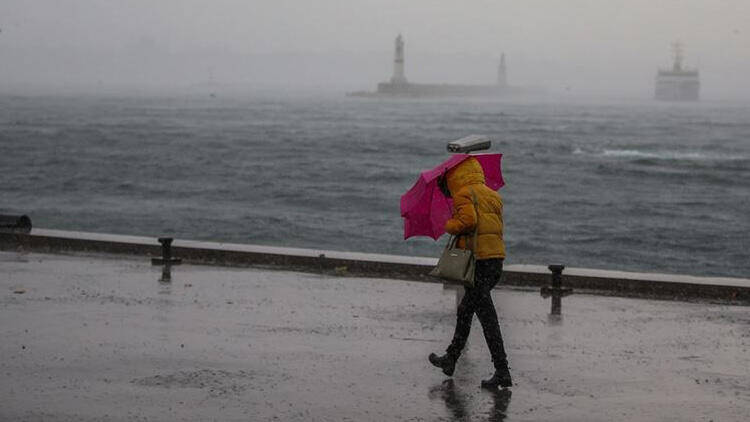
(665, 155)
(670, 155)
(632, 187)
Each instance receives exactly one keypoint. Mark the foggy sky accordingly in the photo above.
(580, 46)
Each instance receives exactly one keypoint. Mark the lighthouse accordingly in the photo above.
(398, 62)
(398, 86)
(502, 77)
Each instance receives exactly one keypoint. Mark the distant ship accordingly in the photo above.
(678, 83)
(398, 86)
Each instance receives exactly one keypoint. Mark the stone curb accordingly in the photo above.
(617, 283)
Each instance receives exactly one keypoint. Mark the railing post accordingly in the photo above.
(166, 259)
(166, 253)
(555, 289)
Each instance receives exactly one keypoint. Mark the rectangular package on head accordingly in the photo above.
(469, 144)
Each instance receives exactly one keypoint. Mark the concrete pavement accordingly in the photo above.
(99, 338)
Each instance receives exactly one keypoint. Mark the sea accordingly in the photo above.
(630, 185)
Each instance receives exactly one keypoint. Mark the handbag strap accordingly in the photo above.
(476, 225)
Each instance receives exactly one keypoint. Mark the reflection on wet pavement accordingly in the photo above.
(458, 408)
(501, 398)
(453, 401)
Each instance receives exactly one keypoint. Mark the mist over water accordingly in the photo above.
(605, 48)
(638, 186)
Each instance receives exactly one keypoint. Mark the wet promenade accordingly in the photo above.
(99, 338)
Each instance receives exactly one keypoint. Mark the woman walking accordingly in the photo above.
(465, 183)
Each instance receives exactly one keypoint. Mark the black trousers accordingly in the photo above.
(478, 300)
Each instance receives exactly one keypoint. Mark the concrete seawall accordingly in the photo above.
(664, 286)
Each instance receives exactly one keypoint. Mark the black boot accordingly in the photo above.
(501, 378)
(446, 363)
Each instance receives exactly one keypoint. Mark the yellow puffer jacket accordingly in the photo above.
(462, 180)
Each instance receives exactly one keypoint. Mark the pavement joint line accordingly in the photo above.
(583, 280)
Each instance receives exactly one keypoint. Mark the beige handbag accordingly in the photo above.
(457, 264)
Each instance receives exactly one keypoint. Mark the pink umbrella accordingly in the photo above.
(424, 207)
